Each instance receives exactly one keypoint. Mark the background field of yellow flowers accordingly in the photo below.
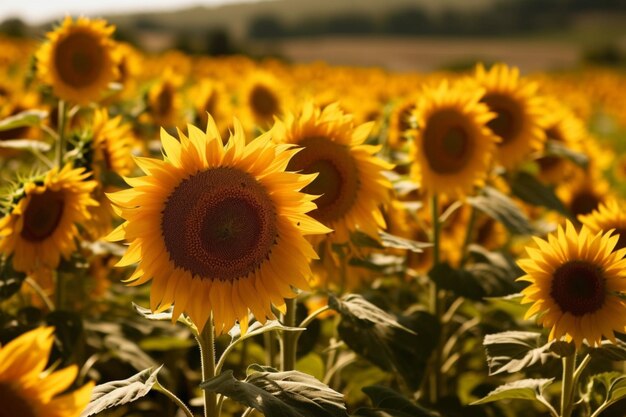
(331, 209)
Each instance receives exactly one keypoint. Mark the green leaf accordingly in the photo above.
(387, 341)
(397, 242)
(166, 315)
(390, 401)
(116, 393)
(10, 280)
(25, 118)
(557, 148)
(284, 394)
(257, 328)
(528, 188)
(513, 351)
(612, 351)
(614, 385)
(379, 412)
(25, 144)
(502, 209)
(525, 389)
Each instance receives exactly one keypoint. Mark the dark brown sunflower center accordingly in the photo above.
(263, 102)
(219, 224)
(508, 121)
(584, 202)
(79, 59)
(164, 100)
(42, 216)
(405, 118)
(337, 182)
(578, 287)
(13, 405)
(446, 144)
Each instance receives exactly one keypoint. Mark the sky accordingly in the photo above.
(40, 11)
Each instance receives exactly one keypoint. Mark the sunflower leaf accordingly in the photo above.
(502, 209)
(10, 280)
(525, 389)
(557, 148)
(25, 118)
(116, 393)
(513, 351)
(528, 188)
(614, 384)
(258, 328)
(25, 144)
(391, 241)
(285, 394)
(391, 403)
(387, 341)
(611, 351)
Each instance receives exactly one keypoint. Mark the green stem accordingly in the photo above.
(248, 412)
(61, 126)
(40, 292)
(435, 307)
(268, 338)
(206, 341)
(313, 316)
(289, 339)
(567, 390)
(469, 236)
(160, 388)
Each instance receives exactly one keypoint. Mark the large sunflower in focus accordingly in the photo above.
(40, 225)
(218, 228)
(78, 60)
(576, 286)
(609, 216)
(518, 110)
(453, 147)
(27, 391)
(350, 183)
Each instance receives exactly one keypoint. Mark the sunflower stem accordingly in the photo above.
(469, 236)
(289, 339)
(567, 390)
(206, 341)
(169, 394)
(62, 114)
(435, 306)
(40, 292)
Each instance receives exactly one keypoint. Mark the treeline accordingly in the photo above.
(504, 17)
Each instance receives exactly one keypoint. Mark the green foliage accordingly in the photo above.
(285, 394)
(525, 389)
(512, 351)
(23, 119)
(389, 403)
(528, 188)
(501, 208)
(10, 280)
(117, 393)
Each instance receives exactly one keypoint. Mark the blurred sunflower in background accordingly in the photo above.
(262, 97)
(350, 181)
(453, 148)
(78, 60)
(609, 216)
(28, 390)
(164, 99)
(577, 281)
(216, 222)
(518, 112)
(40, 222)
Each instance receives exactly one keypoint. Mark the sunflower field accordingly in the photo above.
(219, 236)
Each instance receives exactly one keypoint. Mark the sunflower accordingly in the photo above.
(164, 101)
(453, 147)
(350, 183)
(216, 222)
(211, 97)
(112, 143)
(78, 60)
(262, 97)
(518, 110)
(576, 285)
(584, 192)
(609, 216)
(563, 129)
(27, 390)
(400, 122)
(40, 225)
